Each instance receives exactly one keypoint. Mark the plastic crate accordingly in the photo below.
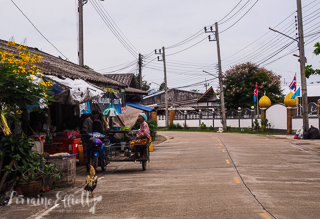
(68, 165)
(69, 145)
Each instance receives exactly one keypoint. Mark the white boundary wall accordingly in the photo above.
(276, 115)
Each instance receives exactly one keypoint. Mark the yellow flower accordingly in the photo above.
(19, 112)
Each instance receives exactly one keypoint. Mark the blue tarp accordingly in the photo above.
(139, 106)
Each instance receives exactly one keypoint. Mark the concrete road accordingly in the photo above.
(199, 175)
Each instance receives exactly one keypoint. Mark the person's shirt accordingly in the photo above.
(144, 131)
(87, 125)
(97, 126)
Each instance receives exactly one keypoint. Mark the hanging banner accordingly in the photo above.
(112, 103)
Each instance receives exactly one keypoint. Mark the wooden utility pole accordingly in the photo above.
(224, 124)
(80, 52)
(163, 52)
(165, 86)
(140, 71)
(302, 68)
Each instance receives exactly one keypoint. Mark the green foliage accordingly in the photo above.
(178, 126)
(145, 85)
(175, 126)
(240, 83)
(210, 128)
(172, 126)
(51, 171)
(162, 86)
(87, 67)
(153, 126)
(308, 69)
(202, 126)
(29, 165)
(264, 121)
(256, 125)
(136, 126)
(18, 86)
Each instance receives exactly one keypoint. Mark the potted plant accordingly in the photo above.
(51, 173)
(30, 171)
(22, 163)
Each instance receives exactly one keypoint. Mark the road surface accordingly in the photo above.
(200, 175)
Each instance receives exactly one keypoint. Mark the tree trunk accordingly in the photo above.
(5, 176)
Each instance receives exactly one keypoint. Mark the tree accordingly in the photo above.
(308, 69)
(21, 84)
(240, 81)
(162, 85)
(145, 85)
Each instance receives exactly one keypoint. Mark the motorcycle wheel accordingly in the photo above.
(95, 162)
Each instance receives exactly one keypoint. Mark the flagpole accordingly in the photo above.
(257, 103)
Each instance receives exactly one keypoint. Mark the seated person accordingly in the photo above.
(143, 136)
(97, 126)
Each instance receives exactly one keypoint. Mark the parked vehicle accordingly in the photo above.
(98, 151)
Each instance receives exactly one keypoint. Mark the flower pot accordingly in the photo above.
(30, 189)
(50, 183)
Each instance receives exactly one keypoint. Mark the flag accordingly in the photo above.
(293, 85)
(296, 94)
(255, 93)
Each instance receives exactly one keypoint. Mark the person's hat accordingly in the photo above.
(144, 116)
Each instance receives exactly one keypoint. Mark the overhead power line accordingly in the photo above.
(229, 12)
(38, 29)
(237, 12)
(115, 32)
(240, 17)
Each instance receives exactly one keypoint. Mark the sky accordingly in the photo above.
(148, 25)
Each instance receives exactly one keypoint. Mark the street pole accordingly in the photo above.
(220, 80)
(163, 52)
(140, 71)
(302, 68)
(165, 85)
(80, 52)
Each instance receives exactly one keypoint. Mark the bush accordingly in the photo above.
(211, 128)
(202, 126)
(172, 126)
(178, 126)
(153, 126)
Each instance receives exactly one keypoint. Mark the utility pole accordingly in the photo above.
(140, 71)
(302, 68)
(216, 34)
(80, 11)
(165, 82)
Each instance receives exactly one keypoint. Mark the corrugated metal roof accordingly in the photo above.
(124, 78)
(139, 106)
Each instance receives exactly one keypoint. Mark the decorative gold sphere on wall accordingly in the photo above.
(264, 102)
(290, 102)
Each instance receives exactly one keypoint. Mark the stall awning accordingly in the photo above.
(139, 106)
(76, 91)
